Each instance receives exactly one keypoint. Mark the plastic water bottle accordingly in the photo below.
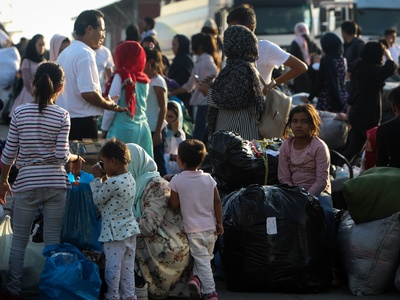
(342, 172)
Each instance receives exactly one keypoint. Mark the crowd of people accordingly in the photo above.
(159, 235)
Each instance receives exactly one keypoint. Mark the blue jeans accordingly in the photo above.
(26, 205)
(200, 122)
(327, 206)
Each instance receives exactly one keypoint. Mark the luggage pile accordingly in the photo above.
(274, 236)
(368, 235)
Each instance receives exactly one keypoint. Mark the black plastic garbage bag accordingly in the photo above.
(238, 163)
(274, 240)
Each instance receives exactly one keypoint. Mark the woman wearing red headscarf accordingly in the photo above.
(131, 85)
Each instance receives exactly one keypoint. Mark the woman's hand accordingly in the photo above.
(157, 138)
(219, 229)
(4, 188)
(76, 165)
(175, 125)
(387, 54)
(205, 85)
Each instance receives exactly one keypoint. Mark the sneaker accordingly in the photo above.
(212, 296)
(142, 293)
(195, 288)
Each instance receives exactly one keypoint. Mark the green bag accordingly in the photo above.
(374, 194)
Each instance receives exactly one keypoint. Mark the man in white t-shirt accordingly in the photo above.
(82, 96)
(105, 65)
(270, 55)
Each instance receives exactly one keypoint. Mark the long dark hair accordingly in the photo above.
(154, 55)
(205, 42)
(48, 78)
(31, 52)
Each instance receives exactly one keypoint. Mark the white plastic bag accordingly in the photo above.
(6, 234)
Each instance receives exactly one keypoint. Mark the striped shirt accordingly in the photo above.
(241, 121)
(38, 143)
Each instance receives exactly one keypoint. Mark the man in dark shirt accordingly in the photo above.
(353, 44)
(387, 143)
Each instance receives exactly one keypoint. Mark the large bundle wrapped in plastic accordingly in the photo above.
(274, 240)
(373, 195)
(334, 129)
(238, 163)
(369, 253)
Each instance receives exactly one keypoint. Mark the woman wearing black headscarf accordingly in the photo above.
(34, 56)
(330, 85)
(182, 65)
(365, 105)
(235, 99)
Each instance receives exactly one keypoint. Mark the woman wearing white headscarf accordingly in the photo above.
(301, 47)
(57, 44)
(162, 251)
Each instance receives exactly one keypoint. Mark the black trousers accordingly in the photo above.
(83, 128)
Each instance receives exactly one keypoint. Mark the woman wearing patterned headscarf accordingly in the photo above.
(162, 250)
(236, 100)
(330, 86)
(367, 79)
(131, 85)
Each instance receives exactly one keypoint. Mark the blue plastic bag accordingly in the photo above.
(67, 274)
(81, 225)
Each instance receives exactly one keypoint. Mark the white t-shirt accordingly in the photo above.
(270, 56)
(104, 60)
(196, 198)
(153, 109)
(81, 75)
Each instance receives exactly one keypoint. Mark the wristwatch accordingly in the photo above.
(177, 134)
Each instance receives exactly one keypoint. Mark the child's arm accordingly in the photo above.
(322, 161)
(102, 192)
(162, 104)
(218, 213)
(174, 200)
(284, 175)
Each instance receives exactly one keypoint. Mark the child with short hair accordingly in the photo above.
(196, 194)
(113, 194)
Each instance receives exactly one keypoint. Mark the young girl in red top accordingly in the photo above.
(304, 160)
